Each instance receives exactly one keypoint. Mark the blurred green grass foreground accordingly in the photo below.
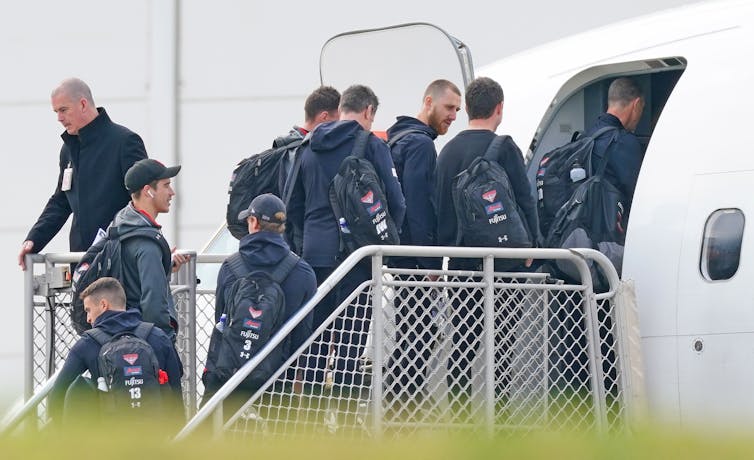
(154, 440)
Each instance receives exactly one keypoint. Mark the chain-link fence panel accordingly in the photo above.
(543, 359)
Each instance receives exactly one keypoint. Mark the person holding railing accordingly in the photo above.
(94, 158)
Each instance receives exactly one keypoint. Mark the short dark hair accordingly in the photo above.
(107, 288)
(437, 87)
(322, 99)
(273, 227)
(357, 98)
(622, 91)
(482, 96)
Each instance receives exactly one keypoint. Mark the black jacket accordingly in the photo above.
(310, 208)
(625, 157)
(263, 251)
(455, 157)
(83, 356)
(415, 159)
(100, 155)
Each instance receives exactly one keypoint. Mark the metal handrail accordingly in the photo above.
(578, 257)
(13, 419)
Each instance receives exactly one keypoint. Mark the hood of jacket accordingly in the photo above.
(263, 249)
(113, 321)
(403, 123)
(129, 218)
(329, 136)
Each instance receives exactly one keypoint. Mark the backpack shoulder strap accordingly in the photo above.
(143, 330)
(494, 148)
(603, 164)
(237, 266)
(360, 145)
(154, 235)
(284, 268)
(290, 181)
(401, 134)
(602, 131)
(100, 336)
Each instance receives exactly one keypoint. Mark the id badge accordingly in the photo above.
(67, 179)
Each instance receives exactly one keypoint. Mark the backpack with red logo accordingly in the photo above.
(254, 311)
(357, 198)
(488, 214)
(129, 373)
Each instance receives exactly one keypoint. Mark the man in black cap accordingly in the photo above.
(147, 260)
(263, 250)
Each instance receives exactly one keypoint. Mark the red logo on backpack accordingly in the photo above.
(490, 196)
(368, 198)
(131, 358)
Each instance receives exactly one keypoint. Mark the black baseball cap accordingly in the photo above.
(267, 207)
(146, 171)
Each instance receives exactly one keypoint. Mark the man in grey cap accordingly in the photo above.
(147, 260)
(263, 250)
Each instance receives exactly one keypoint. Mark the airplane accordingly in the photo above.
(687, 247)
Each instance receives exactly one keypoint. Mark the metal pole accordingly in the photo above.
(593, 350)
(489, 345)
(29, 324)
(191, 282)
(377, 343)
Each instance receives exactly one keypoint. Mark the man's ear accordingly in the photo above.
(104, 304)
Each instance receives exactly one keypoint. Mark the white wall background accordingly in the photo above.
(244, 69)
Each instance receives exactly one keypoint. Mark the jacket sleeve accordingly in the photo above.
(383, 165)
(54, 215)
(295, 208)
(447, 221)
(73, 367)
(155, 290)
(132, 151)
(306, 285)
(627, 158)
(419, 162)
(513, 162)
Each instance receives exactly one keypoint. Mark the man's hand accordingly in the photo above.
(178, 259)
(26, 248)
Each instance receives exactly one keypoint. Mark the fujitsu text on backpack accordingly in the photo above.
(256, 175)
(129, 371)
(488, 214)
(559, 174)
(255, 310)
(104, 259)
(358, 201)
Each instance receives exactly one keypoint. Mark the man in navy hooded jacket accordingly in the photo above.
(263, 249)
(105, 305)
(329, 144)
(415, 157)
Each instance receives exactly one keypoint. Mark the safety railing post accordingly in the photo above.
(29, 338)
(489, 344)
(595, 360)
(191, 282)
(378, 343)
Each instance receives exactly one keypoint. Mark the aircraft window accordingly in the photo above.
(721, 248)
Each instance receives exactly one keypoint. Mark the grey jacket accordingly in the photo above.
(146, 270)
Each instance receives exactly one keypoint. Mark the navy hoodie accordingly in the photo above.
(309, 207)
(415, 158)
(263, 251)
(83, 356)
